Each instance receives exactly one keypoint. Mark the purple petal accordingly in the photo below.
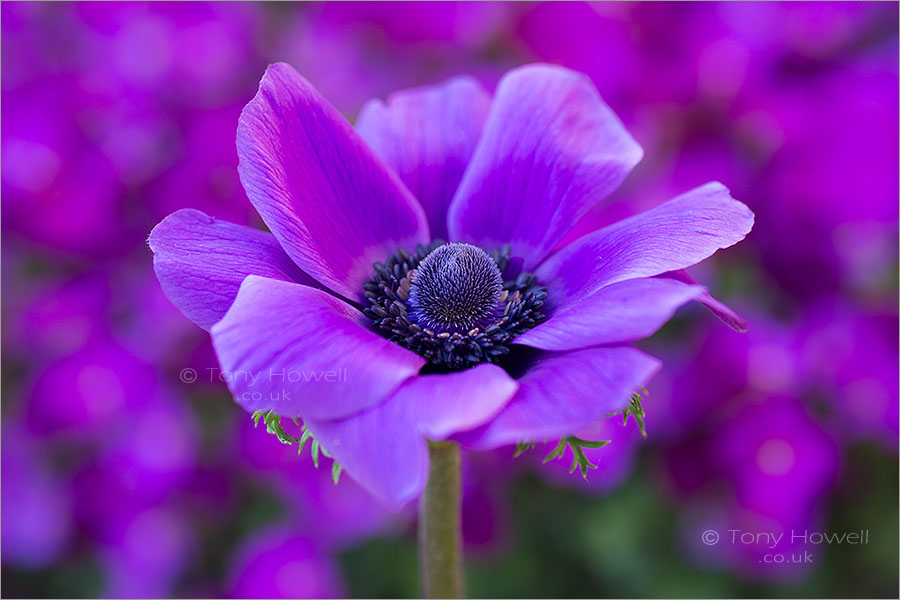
(671, 236)
(200, 262)
(387, 457)
(716, 307)
(550, 150)
(427, 135)
(441, 405)
(622, 312)
(334, 206)
(724, 312)
(384, 448)
(304, 353)
(563, 393)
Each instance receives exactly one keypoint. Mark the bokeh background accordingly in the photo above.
(121, 479)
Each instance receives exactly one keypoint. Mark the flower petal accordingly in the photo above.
(305, 353)
(427, 135)
(671, 236)
(622, 312)
(200, 262)
(566, 392)
(724, 313)
(441, 405)
(551, 149)
(384, 448)
(387, 457)
(716, 307)
(334, 206)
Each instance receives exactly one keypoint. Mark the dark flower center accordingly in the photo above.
(454, 304)
(456, 288)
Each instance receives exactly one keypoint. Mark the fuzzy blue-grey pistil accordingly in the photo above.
(456, 288)
(451, 304)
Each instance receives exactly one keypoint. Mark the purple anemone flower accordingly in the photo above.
(354, 315)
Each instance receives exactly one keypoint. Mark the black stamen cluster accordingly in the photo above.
(518, 309)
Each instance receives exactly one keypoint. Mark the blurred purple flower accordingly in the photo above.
(276, 564)
(88, 392)
(354, 50)
(148, 554)
(851, 358)
(768, 448)
(778, 464)
(486, 514)
(333, 515)
(820, 219)
(115, 90)
(36, 504)
(713, 369)
(759, 546)
(45, 199)
(136, 468)
(56, 318)
(195, 52)
(519, 170)
(116, 114)
(151, 328)
(484, 519)
(461, 24)
(206, 171)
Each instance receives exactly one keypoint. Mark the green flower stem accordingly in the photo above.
(440, 546)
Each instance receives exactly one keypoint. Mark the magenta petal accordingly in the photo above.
(427, 135)
(563, 393)
(671, 236)
(200, 262)
(384, 448)
(551, 149)
(334, 206)
(622, 312)
(304, 353)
